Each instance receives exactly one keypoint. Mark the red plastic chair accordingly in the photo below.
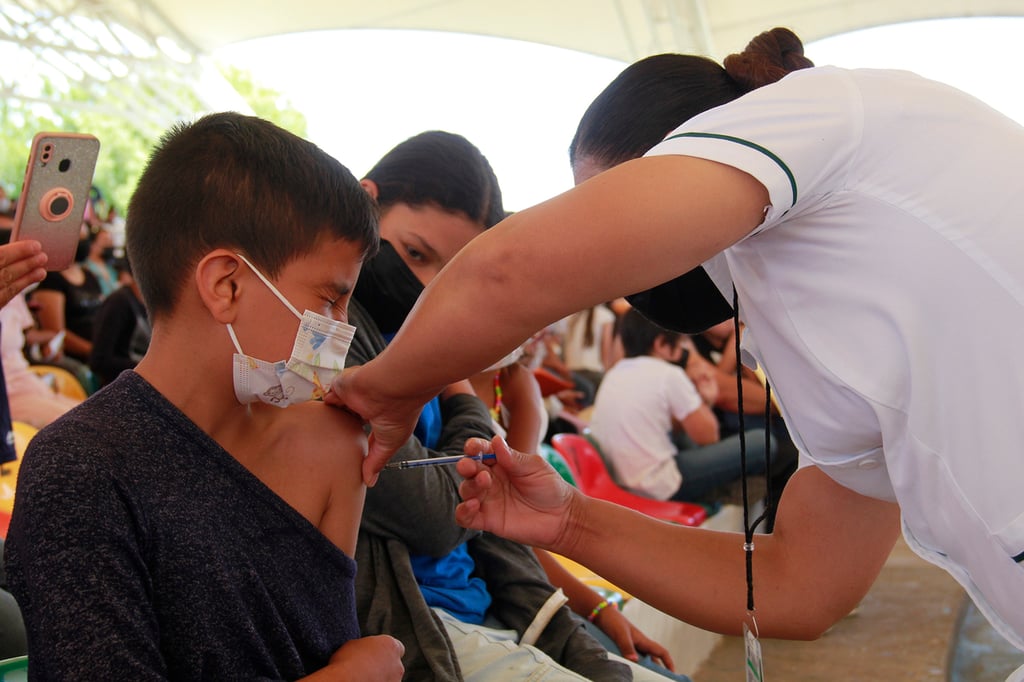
(593, 478)
(549, 382)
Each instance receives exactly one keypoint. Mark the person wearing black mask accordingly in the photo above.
(422, 578)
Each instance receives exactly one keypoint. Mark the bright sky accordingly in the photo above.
(365, 91)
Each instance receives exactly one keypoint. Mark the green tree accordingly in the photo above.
(16, 121)
(265, 102)
(125, 142)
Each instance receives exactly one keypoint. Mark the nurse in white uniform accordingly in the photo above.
(869, 225)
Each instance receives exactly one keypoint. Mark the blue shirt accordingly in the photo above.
(447, 582)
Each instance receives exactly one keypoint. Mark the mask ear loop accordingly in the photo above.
(238, 348)
(270, 286)
(749, 528)
(234, 339)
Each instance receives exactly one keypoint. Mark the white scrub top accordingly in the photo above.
(884, 297)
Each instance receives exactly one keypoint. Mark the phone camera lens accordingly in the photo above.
(59, 206)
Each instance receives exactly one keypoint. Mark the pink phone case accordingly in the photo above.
(51, 206)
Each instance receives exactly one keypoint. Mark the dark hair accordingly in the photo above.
(639, 334)
(654, 96)
(440, 169)
(239, 182)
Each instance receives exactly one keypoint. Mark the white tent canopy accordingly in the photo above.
(133, 54)
(620, 29)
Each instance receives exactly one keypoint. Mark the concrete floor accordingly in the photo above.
(915, 624)
(980, 653)
(902, 631)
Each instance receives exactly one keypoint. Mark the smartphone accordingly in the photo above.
(54, 194)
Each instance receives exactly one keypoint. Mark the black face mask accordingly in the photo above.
(387, 288)
(690, 303)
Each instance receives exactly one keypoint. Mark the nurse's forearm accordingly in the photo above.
(810, 572)
(695, 575)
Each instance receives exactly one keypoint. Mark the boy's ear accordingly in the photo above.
(218, 283)
(371, 188)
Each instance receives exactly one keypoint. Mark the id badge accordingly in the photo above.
(754, 666)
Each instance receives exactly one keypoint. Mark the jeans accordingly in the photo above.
(648, 671)
(707, 468)
(488, 654)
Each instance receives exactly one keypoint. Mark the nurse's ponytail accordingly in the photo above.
(656, 95)
(766, 59)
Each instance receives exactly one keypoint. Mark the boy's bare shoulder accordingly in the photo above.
(327, 431)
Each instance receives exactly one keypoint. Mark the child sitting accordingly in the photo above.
(647, 407)
(179, 524)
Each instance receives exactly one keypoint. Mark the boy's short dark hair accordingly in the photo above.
(639, 334)
(238, 182)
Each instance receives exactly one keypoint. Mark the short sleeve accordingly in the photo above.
(796, 137)
(683, 398)
(16, 313)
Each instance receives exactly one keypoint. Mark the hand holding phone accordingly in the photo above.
(21, 265)
(54, 194)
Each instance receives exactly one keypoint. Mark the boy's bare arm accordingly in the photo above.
(341, 465)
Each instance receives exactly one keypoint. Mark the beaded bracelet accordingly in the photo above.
(599, 608)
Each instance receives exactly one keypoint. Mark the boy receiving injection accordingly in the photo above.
(180, 524)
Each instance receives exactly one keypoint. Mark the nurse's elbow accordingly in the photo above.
(816, 620)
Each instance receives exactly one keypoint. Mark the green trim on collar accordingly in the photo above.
(747, 143)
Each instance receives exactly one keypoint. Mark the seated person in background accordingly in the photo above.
(180, 524)
(99, 261)
(644, 401)
(21, 265)
(460, 601)
(563, 402)
(717, 346)
(122, 332)
(588, 347)
(716, 349)
(31, 400)
(67, 301)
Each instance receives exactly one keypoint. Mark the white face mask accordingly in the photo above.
(318, 355)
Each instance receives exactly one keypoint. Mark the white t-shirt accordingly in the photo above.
(632, 420)
(576, 353)
(884, 298)
(15, 318)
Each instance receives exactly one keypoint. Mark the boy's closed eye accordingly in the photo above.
(335, 299)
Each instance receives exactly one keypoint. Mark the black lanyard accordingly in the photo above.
(748, 527)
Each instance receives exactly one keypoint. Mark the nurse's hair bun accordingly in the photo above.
(766, 59)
